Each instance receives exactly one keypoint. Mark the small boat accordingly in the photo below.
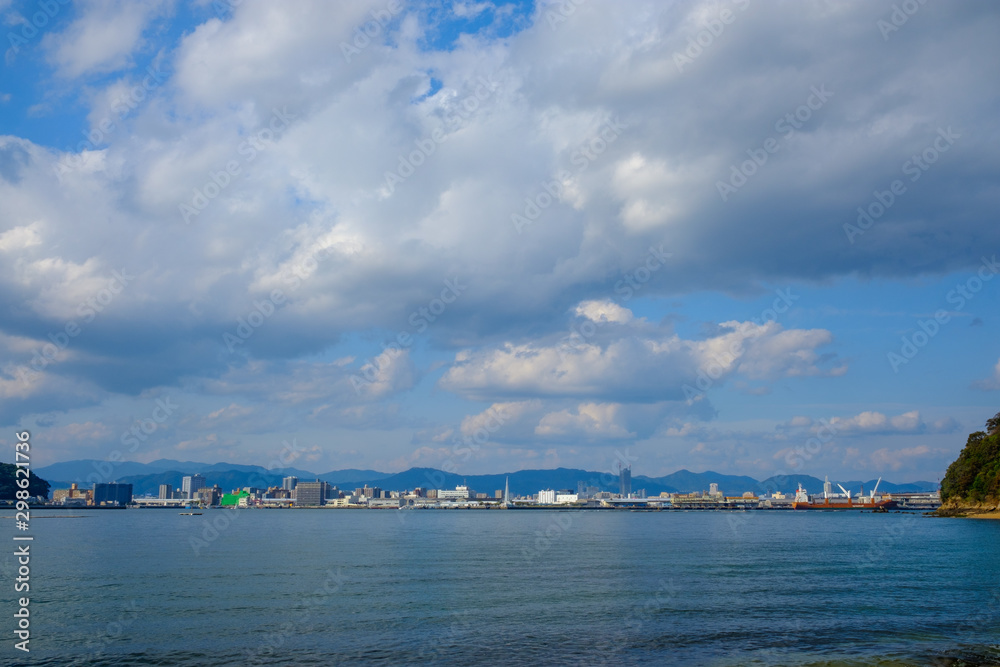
(190, 513)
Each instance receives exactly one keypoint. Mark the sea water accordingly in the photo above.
(323, 587)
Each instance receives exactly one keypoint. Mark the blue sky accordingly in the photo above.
(592, 230)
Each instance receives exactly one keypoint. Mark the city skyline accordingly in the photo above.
(225, 476)
(501, 236)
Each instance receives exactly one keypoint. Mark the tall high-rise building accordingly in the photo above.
(713, 489)
(166, 493)
(288, 483)
(827, 487)
(190, 484)
(310, 493)
(112, 494)
(624, 480)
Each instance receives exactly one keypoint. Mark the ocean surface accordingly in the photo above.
(324, 587)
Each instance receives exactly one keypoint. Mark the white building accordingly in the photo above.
(460, 493)
(713, 489)
(547, 497)
(565, 498)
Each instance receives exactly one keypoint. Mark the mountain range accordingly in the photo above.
(146, 478)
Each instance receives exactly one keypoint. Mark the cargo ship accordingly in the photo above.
(875, 503)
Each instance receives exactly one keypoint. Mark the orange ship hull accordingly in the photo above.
(850, 505)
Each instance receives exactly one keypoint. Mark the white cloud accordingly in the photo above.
(470, 9)
(876, 422)
(541, 423)
(869, 422)
(588, 421)
(636, 363)
(20, 238)
(604, 311)
(104, 36)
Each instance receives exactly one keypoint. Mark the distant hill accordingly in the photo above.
(685, 481)
(889, 487)
(79, 471)
(344, 478)
(787, 483)
(228, 480)
(86, 471)
(9, 486)
(814, 485)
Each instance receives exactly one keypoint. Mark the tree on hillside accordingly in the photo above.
(8, 483)
(975, 474)
(993, 425)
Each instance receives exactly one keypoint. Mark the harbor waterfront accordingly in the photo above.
(685, 588)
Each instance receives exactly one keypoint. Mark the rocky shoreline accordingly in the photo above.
(960, 510)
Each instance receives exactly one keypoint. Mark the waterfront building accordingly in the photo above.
(190, 484)
(713, 489)
(566, 498)
(384, 503)
(346, 501)
(73, 495)
(210, 495)
(288, 483)
(827, 487)
(233, 499)
(460, 493)
(547, 497)
(112, 494)
(166, 492)
(310, 493)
